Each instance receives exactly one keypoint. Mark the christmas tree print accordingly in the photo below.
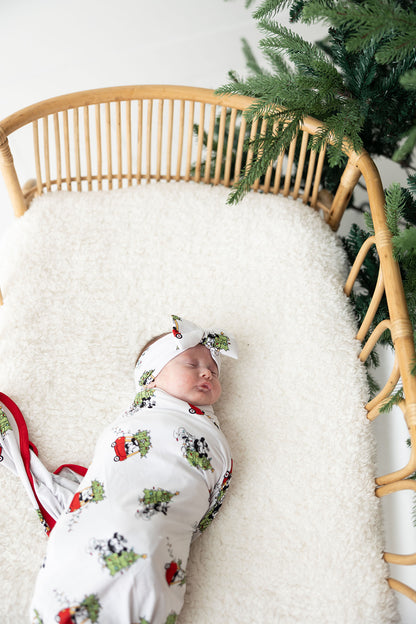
(4, 423)
(86, 612)
(155, 500)
(218, 496)
(219, 342)
(147, 377)
(194, 449)
(145, 398)
(91, 494)
(114, 553)
(127, 445)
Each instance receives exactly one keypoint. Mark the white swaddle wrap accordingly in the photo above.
(158, 478)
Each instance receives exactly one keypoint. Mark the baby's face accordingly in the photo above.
(191, 376)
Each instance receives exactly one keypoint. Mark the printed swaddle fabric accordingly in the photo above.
(49, 492)
(119, 553)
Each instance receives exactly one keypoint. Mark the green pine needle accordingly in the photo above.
(251, 61)
(393, 400)
(269, 7)
(394, 207)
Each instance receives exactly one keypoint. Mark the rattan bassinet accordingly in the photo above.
(126, 136)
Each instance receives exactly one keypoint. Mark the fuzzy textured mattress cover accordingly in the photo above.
(88, 278)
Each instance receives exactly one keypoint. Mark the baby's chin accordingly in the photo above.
(197, 398)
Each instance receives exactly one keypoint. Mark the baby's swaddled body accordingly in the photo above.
(119, 553)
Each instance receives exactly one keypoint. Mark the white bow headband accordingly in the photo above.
(184, 335)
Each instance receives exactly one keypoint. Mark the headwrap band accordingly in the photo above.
(184, 335)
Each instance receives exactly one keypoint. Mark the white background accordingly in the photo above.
(52, 47)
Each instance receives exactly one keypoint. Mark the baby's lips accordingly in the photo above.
(205, 386)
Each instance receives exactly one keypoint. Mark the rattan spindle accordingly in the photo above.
(109, 145)
(159, 140)
(87, 147)
(349, 179)
(309, 176)
(45, 122)
(289, 167)
(372, 308)
(250, 152)
(402, 588)
(220, 146)
(318, 175)
(67, 151)
(374, 338)
(119, 150)
(375, 412)
(149, 141)
(301, 164)
(278, 173)
(200, 143)
(240, 148)
(37, 157)
(355, 269)
(387, 389)
(230, 143)
(57, 151)
(139, 141)
(189, 141)
(128, 144)
(399, 486)
(99, 146)
(169, 142)
(269, 172)
(181, 129)
(77, 150)
(263, 129)
(210, 141)
(400, 559)
(268, 178)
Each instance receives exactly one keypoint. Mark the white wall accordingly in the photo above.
(51, 47)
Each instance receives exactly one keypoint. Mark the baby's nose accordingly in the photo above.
(205, 372)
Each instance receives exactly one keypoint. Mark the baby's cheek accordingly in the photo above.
(218, 389)
(188, 381)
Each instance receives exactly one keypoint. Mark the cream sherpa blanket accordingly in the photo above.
(88, 278)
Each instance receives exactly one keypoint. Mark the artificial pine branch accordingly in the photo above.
(269, 7)
(394, 399)
(394, 207)
(372, 22)
(346, 90)
(251, 61)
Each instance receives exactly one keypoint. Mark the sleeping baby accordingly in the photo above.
(159, 474)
